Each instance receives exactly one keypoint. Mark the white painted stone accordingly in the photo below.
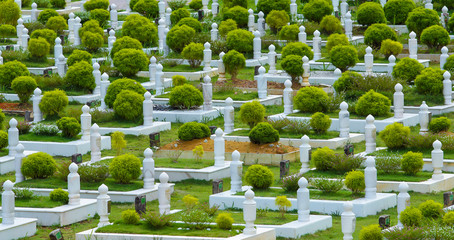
(261, 23)
(305, 150)
(205, 5)
(166, 47)
(306, 72)
(424, 117)
(413, 46)
(23, 228)
(1, 58)
(303, 200)
(18, 162)
(128, 8)
(19, 27)
(19, 3)
(148, 169)
(82, 9)
(348, 221)
(288, 97)
(147, 109)
(251, 20)
(207, 93)
(97, 76)
(219, 148)
(316, 45)
(34, 12)
(236, 172)
(162, 9)
(215, 8)
(152, 69)
(111, 40)
(159, 81)
(447, 88)
(370, 174)
(444, 17)
(257, 42)
(85, 123)
(370, 133)
(103, 206)
(95, 144)
(168, 13)
(383, 2)
(77, 26)
(391, 64)
(104, 85)
(207, 57)
(24, 39)
(249, 213)
(73, 185)
(443, 57)
(61, 65)
(164, 194)
(429, 5)
(344, 10)
(8, 203)
(348, 25)
(344, 121)
(161, 28)
(214, 32)
(37, 115)
(403, 201)
(13, 137)
(369, 61)
(302, 36)
(398, 101)
(221, 67)
(262, 83)
(437, 160)
(58, 49)
(113, 16)
(272, 59)
(228, 116)
(293, 9)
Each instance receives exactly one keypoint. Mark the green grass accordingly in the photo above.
(265, 217)
(138, 79)
(376, 60)
(181, 68)
(119, 123)
(235, 95)
(37, 202)
(381, 176)
(32, 137)
(336, 115)
(342, 195)
(287, 134)
(426, 153)
(183, 163)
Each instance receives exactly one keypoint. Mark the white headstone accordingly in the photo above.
(344, 9)
(348, 221)
(103, 205)
(18, 162)
(221, 67)
(219, 148)
(113, 16)
(391, 64)
(370, 133)
(85, 123)
(443, 57)
(128, 7)
(161, 28)
(77, 26)
(152, 69)
(24, 39)
(261, 23)
(166, 47)
(58, 49)
(251, 20)
(303, 201)
(8, 203)
(228, 116)
(104, 85)
(205, 5)
(369, 61)
(236, 172)
(370, 174)
(61, 65)
(383, 2)
(214, 32)
(111, 40)
(437, 160)
(147, 110)
(413, 46)
(34, 12)
(444, 17)
(306, 72)
(288, 97)
(257, 42)
(398, 101)
(348, 25)
(215, 8)
(168, 13)
(302, 36)
(424, 117)
(148, 169)
(97, 76)
(95, 144)
(305, 150)
(162, 9)
(37, 115)
(403, 200)
(429, 5)
(73, 185)
(13, 137)
(316, 44)
(447, 88)
(293, 9)
(207, 56)
(164, 194)
(335, 5)
(71, 21)
(344, 121)
(262, 83)
(1, 58)
(272, 59)
(19, 27)
(207, 94)
(159, 81)
(249, 213)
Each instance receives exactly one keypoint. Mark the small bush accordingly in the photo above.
(93, 173)
(92, 41)
(100, 15)
(38, 48)
(448, 218)
(411, 217)
(142, 29)
(3, 139)
(355, 181)
(9, 12)
(311, 99)
(343, 57)
(7, 30)
(327, 185)
(45, 130)
(335, 40)
(371, 232)
(240, 40)
(38, 166)
(96, 4)
(430, 81)
(439, 125)
(224, 221)
(58, 3)
(185, 97)
(196, 5)
(179, 14)
(290, 183)
(421, 18)
(194, 54)
(369, 13)
(289, 32)
(57, 23)
(227, 26)
(233, 3)
(46, 14)
(128, 105)
(315, 10)
(234, 62)
(59, 195)
(259, 177)
(24, 87)
(178, 80)
(130, 217)
(395, 135)
(196, 218)
(180, 36)
(53, 102)
(79, 55)
(266, 6)
(297, 48)
(190, 22)
(122, 84)
(125, 42)
(193, 130)
(388, 163)
(407, 69)
(377, 33)
(238, 14)
(263, 133)
(373, 103)
(412, 162)
(23, 193)
(148, 8)
(130, 61)
(11, 70)
(47, 34)
(320, 122)
(431, 209)
(346, 81)
(80, 76)
(23, 127)
(277, 19)
(435, 37)
(125, 168)
(396, 11)
(330, 24)
(449, 65)
(293, 66)
(69, 126)
(322, 158)
(156, 220)
(91, 26)
(252, 113)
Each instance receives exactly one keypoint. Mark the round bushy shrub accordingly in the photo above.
(193, 130)
(24, 87)
(38, 47)
(148, 8)
(343, 56)
(193, 53)
(226, 26)
(224, 221)
(53, 102)
(191, 22)
(449, 65)
(11, 70)
(259, 177)
(411, 217)
(125, 42)
(130, 61)
(9, 12)
(122, 84)
(180, 36)
(196, 5)
(311, 99)
(240, 40)
(141, 28)
(179, 14)
(128, 105)
(79, 56)
(448, 218)
(58, 3)
(439, 124)
(266, 6)
(69, 126)
(233, 62)
(289, 32)
(421, 18)
(390, 47)
(47, 34)
(59, 195)
(125, 168)
(430, 81)
(96, 4)
(277, 19)
(435, 37)
(92, 41)
(371, 232)
(45, 14)
(38, 165)
(395, 135)
(369, 13)
(91, 26)
(297, 48)
(376, 33)
(396, 11)
(252, 113)
(345, 82)
(293, 66)
(239, 14)
(130, 217)
(185, 97)
(355, 181)
(431, 209)
(8, 30)
(330, 24)
(451, 23)
(80, 76)
(3, 139)
(57, 23)
(178, 80)
(373, 103)
(407, 69)
(412, 162)
(263, 133)
(315, 10)
(322, 158)
(335, 40)
(100, 15)
(320, 122)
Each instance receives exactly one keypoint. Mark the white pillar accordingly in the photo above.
(19, 28)
(370, 133)
(293, 9)
(82, 9)
(68, 6)
(272, 59)
(95, 143)
(370, 174)
(219, 148)
(103, 206)
(429, 5)
(316, 41)
(152, 69)
(205, 6)
(306, 72)
(215, 8)
(398, 101)
(444, 17)
(251, 20)
(214, 32)
(261, 23)
(18, 162)
(166, 47)
(447, 88)
(303, 201)
(77, 26)
(344, 10)
(161, 28)
(8, 203)
(335, 5)
(207, 94)
(111, 40)
(168, 13)
(382, 2)
(97, 76)
(424, 116)
(391, 64)
(71, 22)
(148, 169)
(348, 25)
(34, 12)
(236, 171)
(61, 66)
(221, 67)
(159, 82)
(113, 16)
(302, 36)
(443, 57)
(437, 160)
(164, 194)
(403, 201)
(85, 123)
(147, 110)
(369, 61)
(13, 137)
(1, 58)
(348, 221)
(58, 49)
(344, 121)
(162, 9)
(207, 57)
(104, 85)
(228, 116)
(413, 46)
(262, 83)
(24, 39)
(249, 213)
(19, 3)
(37, 115)
(305, 150)
(257, 42)
(288, 97)
(73, 185)
(128, 8)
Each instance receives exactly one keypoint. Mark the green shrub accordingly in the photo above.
(148, 8)
(45, 130)
(100, 15)
(335, 40)
(451, 23)
(180, 36)
(311, 99)
(185, 97)
(430, 81)
(140, 28)
(421, 18)
(179, 14)
(277, 19)
(78, 56)
(130, 61)
(224, 220)
(327, 185)
(122, 84)
(58, 24)
(11, 70)
(125, 42)
(448, 218)
(125, 168)
(194, 54)
(2, 119)
(390, 47)
(156, 220)
(396, 11)
(411, 217)
(439, 125)
(190, 22)
(412, 162)
(3, 139)
(297, 48)
(9, 12)
(233, 3)
(315, 10)
(377, 33)
(388, 162)
(435, 37)
(289, 32)
(369, 13)
(240, 40)
(233, 62)
(331, 24)
(193, 130)
(178, 80)
(373, 103)
(322, 158)
(407, 69)
(128, 105)
(355, 181)
(47, 34)
(346, 81)
(80, 76)
(7, 30)
(46, 14)
(259, 177)
(196, 5)
(238, 14)
(38, 165)
(130, 217)
(371, 232)
(343, 56)
(38, 48)
(395, 135)
(266, 6)
(91, 26)
(431, 209)
(92, 41)
(293, 66)
(24, 87)
(59, 195)
(69, 126)
(290, 183)
(320, 122)
(53, 102)
(58, 3)
(96, 4)
(93, 173)
(449, 65)
(263, 133)
(226, 26)
(252, 113)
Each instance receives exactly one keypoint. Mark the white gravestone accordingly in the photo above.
(413, 46)
(147, 109)
(370, 174)
(437, 160)
(262, 83)
(370, 133)
(429, 5)
(369, 61)
(73, 185)
(424, 118)
(215, 8)
(97, 76)
(249, 213)
(403, 200)
(8, 203)
(444, 16)
(293, 9)
(95, 144)
(316, 41)
(257, 42)
(302, 36)
(77, 26)
(251, 20)
(162, 9)
(148, 169)
(85, 123)
(348, 221)
(398, 101)
(236, 172)
(159, 81)
(13, 137)
(58, 49)
(288, 97)
(221, 67)
(348, 26)
(228, 116)
(306, 72)
(219, 148)
(207, 94)
(113, 16)
(207, 57)
(214, 32)
(111, 40)
(344, 121)
(18, 162)
(103, 206)
(391, 64)
(24, 39)
(152, 69)
(164, 194)
(305, 150)
(61, 66)
(104, 85)
(168, 13)
(261, 23)
(444, 56)
(34, 12)
(272, 59)
(37, 115)
(447, 88)
(19, 27)
(344, 9)
(303, 201)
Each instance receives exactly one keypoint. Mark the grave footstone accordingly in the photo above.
(28, 116)
(56, 235)
(76, 158)
(284, 168)
(218, 186)
(155, 139)
(448, 199)
(140, 204)
(384, 221)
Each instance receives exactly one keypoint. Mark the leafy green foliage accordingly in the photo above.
(58, 3)
(430, 81)
(407, 69)
(277, 19)
(336, 39)
(91, 26)
(130, 216)
(96, 4)
(266, 6)
(412, 162)
(178, 80)
(78, 56)
(193, 53)
(58, 24)
(238, 14)
(369, 13)
(252, 113)
(355, 181)
(315, 10)
(190, 22)
(185, 97)
(263, 133)
(125, 42)
(3, 139)
(47, 34)
(226, 26)
(421, 18)
(80, 76)
(53, 102)
(259, 177)
(297, 48)
(331, 24)
(435, 37)
(431, 209)
(24, 87)
(390, 47)
(122, 84)
(395, 135)
(46, 14)
(193, 130)
(38, 47)
(148, 8)
(130, 61)
(289, 32)
(224, 220)
(7, 30)
(234, 62)
(125, 168)
(240, 40)
(371, 232)
(128, 105)
(11, 70)
(346, 81)
(293, 66)
(322, 158)
(9, 12)
(180, 36)
(69, 126)
(439, 124)
(320, 122)
(100, 15)
(411, 216)
(38, 165)
(59, 195)
(396, 11)
(196, 5)
(141, 28)
(376, 33)
(311, 99)
(373, 103)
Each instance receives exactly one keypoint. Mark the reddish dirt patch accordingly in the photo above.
(230, 146)
(240, 83)
(15, 107)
